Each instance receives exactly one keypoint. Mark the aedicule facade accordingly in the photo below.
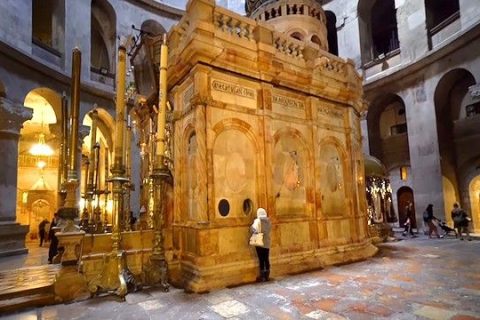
(261, 120)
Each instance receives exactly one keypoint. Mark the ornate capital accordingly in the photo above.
(13, 115)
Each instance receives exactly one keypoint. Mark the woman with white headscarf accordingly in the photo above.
(262, 225)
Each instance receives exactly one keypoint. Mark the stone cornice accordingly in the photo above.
(426, 60)
(50, 72)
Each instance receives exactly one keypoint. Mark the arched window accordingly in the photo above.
(378, 29)
(103, 41)
(384, 27)
(315, 39)
(332, 32)
(297, 35)
(48, 24)
(439, 14)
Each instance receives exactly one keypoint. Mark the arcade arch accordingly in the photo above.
(456, 134)
(38, 160)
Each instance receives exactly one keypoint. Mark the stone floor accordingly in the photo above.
(36, 256)
(416, 278)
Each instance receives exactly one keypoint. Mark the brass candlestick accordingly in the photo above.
(118, 170)
(161, 177)
(70, 209)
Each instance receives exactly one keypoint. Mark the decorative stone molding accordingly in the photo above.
(12, 116)
(474, 91)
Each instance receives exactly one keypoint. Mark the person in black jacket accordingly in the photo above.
(460, 221)
(428, 219)
(53, 248)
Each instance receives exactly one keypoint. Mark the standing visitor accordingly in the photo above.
(428, 219)
(460, 221)
(261, 225)
(41, 231)
(52, 249)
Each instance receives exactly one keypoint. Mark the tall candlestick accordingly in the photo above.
(118, 157)
(75, 98)
(162, 108)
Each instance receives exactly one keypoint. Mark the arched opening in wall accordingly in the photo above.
(96, 163)
(38, 160)
(457, 133)
(48, 26)
(332, 32)
(315, 39)
(384, 28)
(102, 42)
(406, 205)
(442, 18)
(387, 130)
(474, 195)
(297, 35)
(378, 29)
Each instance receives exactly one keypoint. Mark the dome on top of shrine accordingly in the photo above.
(303, 20)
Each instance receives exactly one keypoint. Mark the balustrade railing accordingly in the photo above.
(288, 45)
(236, 26)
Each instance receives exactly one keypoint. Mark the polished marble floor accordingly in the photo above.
(417, 278)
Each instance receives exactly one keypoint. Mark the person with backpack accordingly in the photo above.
(428, 219)
(460, 221)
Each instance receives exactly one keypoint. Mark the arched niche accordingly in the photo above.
(234, 173)
(332, 182)
(103, 38)
(292, 171)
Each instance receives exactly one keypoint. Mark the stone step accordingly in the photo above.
(27, 301)
(27, 281)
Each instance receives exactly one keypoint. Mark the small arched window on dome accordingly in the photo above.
(297, 35)
(315, 39)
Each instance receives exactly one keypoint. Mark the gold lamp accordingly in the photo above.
(41, 148)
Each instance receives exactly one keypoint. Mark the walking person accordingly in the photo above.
(460, 221)
(408, 220)
(428, 219)
(41, 231)
(262, 225)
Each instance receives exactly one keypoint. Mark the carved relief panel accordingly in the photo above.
(290, 167)
(234, 170)
(332, 184)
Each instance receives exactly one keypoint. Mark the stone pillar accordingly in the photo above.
(12, 234)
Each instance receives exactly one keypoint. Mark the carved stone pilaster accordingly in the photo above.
(12, 234)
